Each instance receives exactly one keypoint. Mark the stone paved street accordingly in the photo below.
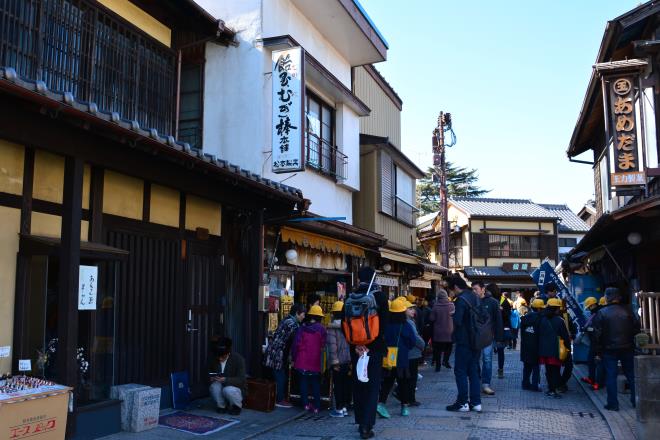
(510, 414)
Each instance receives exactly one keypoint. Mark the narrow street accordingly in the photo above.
(511, 414)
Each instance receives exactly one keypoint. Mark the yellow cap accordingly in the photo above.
(411, 298)
(409, 304)
(338, 306)
(523, 301)
(553, 302)
(538, 303)
(590, 302)
(315, 311)
(398, 306)
(602, 301)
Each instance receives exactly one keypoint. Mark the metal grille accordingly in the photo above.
(325, 157)
(74, 46)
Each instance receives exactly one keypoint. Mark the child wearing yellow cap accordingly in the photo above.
(339, 359)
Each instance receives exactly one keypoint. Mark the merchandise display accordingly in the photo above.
(12, 387)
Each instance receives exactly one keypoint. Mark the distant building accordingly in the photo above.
(494, 240)
(588, 213)
(571, 228)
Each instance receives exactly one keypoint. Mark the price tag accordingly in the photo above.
(24, 365)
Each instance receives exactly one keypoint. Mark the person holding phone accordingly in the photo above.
(227, 377)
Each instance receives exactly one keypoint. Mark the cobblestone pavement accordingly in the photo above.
(511, 414)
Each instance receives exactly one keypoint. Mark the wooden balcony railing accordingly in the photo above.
(77, 46)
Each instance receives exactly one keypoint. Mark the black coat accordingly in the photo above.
(615, 328)
(551, 327)
(493, 308)
(462, 318)
(529, 337)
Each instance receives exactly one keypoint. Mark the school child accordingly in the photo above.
(306, 352)
(529, 346)
(415, 353)
(399, 338)
(552, 332)
(339, 359)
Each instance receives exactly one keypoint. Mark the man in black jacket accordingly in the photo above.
(228, 382)
(466, 357)
(365, 394)
(615, 328)
(493, 308)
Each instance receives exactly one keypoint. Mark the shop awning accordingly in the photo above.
(398, 256)
(319, 242)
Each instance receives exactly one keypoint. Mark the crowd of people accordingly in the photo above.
(475, 323)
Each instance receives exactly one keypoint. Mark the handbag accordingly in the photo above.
(389, 361)
(563, 351)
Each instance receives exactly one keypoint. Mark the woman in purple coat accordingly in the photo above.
(306, 352)
(443, 327)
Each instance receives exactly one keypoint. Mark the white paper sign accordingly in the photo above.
(288, 125)
(24, 365)
(384, 280)
(87, 281)
(5, 351)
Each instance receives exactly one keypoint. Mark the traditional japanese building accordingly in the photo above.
(616, 134)
(495, 240)
(622, 244)
(105, 174)
(570, 229)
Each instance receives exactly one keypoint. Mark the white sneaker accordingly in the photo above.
(345, 411)
(475, 408)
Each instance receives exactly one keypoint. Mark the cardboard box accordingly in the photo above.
(40, 416)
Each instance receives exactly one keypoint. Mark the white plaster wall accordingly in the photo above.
(237, 99)
(348, 141)
(234, 108)
(282, 18)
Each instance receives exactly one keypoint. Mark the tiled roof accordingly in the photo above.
(490, 271)
(488, 207)
(10, 78)
(568, 220)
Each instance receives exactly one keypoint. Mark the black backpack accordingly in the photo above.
(481, 329)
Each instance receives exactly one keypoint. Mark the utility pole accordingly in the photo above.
(439, 163)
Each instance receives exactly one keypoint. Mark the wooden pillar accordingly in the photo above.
(255, 235)
(20, 302)
(67, 323)
(96, 206)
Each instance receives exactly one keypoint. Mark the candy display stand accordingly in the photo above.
(34, 408)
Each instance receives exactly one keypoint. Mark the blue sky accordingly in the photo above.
(513, 75)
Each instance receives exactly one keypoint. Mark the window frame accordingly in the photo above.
(198, 63)
(320, 166)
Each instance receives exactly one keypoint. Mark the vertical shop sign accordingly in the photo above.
(625, 144)
(288, 124)
(87, 282)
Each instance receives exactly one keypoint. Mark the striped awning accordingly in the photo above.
(320, 242)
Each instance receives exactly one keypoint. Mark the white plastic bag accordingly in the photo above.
(362, 366)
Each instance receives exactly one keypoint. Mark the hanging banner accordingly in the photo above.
(87, 280)
(625, 152)
(546, 276)
(288, 85)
